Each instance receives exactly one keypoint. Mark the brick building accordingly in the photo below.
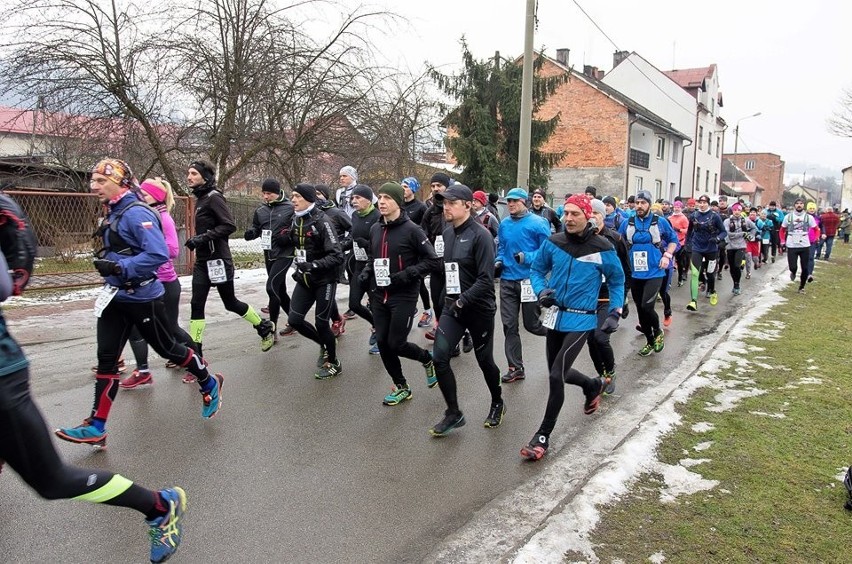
(609, 141)
(767, 169)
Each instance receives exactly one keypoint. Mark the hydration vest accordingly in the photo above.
(654, 230)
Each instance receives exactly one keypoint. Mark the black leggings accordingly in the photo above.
(356, 294)
(436, 290)
(682, 260)
(447, 337)
(300, 304)
(113, 330)
(276, 288)
(701, 263)
(644, 292)
(562, 350)
(201, 288)
(664, 293)
(393, 322)
(171, 302)
(26, 445)
(803, 255)
(600, 348)
(736, 257)
(424, 295)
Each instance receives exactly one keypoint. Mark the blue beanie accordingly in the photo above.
(517, 194)
(412, 183)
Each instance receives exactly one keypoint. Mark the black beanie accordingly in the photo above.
(592, 190)
(440, 178)
(364, 191)
(493, 197)
(610, 200)
(271, 185)
(307, 191)
(206, 170)
(395, 191)
(324, 190)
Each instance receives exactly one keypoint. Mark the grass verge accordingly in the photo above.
(776, 455)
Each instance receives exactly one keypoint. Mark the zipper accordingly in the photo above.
(384, 253)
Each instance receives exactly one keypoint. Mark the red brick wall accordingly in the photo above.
(768, 171)
(592, 128)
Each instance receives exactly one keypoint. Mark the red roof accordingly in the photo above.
(15, 120)
(691, 78)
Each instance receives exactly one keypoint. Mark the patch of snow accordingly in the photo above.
(814, 367)
(809, 380)
(702, 427)
(657, 558)
(680, 481)
(728, 399)
(772, 415)
(703, 446)
(765, 366)
(690, 462)
(841, 474)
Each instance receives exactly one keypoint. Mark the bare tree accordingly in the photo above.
(840, 123)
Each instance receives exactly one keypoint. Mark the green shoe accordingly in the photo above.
(646, 350)
(266, 331)
(692, 306)
(659, 342)
(329, 370)
(323, 357)
(398, 395)
(431, 376)
(714, 299)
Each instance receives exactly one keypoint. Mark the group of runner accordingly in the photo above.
(565, 280)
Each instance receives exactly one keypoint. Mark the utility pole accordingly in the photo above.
(526, 100)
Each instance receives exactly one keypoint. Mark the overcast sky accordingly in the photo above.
(789, 61)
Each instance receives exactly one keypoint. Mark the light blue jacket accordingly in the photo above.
(525, 234)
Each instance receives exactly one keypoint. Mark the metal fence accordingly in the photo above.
(65, 224)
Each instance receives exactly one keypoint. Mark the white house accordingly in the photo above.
(846, 189)
(690, 100)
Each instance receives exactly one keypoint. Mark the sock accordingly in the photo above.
(98, 424)
(252, 317)
(196, 329)
(208, 384)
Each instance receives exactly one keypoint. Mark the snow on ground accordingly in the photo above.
(702, 427)
(568, 529)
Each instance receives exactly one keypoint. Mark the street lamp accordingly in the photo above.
(803, 176)
(737, 130)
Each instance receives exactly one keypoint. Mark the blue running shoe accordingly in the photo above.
(83, 434)
(373, 338)
(166, 531)
(375, 349)
(212, 400)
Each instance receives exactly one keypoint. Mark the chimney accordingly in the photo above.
(592, 72)
(587, 70)
(562, 56)
(599, 74)
(619, 56)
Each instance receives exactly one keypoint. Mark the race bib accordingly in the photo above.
(360, 254)
(640, 261)
(381, 269)
(798, 240)
(266, 239)
(527, 294)
(216, 271)
(711, 267)
(451, 274)
(301, 256)
(439, 246)
(105, 296)
(548, 317)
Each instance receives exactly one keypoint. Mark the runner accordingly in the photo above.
(317, 255)
(706, 230)
(214, 265)
(24, 439)
(470, 304)
(651, 242)
(776, 216)
(433, 225)
(482, 215)
(520, 236)
(275, 214)
(342, 223)
(540, 208)
(740, 230)
(680, 223)
(399, 257)
(566, 276)
(415, 210)
(134, 248)
(365, 216)
(794, 234)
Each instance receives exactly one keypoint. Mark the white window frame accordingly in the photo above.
(638, 183)
(661, 148)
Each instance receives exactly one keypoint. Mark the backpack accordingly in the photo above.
(18, 242)
(115, 241)
(654, 230)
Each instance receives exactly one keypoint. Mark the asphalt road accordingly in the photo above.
(299, 470)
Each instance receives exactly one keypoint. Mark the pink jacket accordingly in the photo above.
(166, 272)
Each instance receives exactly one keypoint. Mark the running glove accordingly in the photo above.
(194, 242)
(547, 298)
(106, 267)
(610, 324)
(498, 269)
(305, 266)
(451, 307)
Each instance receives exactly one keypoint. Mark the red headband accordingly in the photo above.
(581, 201)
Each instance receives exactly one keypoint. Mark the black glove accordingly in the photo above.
(194, 242)
(610, 324)
(303, 278)
(305, 266)
(363, 242)
(498, 269)
(519, 257)
(401, 278)
(625, 310)
(547, 297)
(451, 307)
(364, 278)
(250, 234)
(106, 267)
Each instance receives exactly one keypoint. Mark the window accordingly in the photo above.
(712, 106)
(639, 158)
(638, 183)
(698, 178)
(658, 188)
(710, 143)
(718, 144)
(700, 138)
(675, 151)
(671, 190)
(661, 148)
(749, 164)
(707, 182)
(715, 181)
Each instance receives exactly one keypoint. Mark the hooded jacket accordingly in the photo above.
(520, 234)
(214, 222)
(273, 216)
(471, 247)
(314, 234)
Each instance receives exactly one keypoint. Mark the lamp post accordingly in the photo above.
(737, 130)
(804, 174)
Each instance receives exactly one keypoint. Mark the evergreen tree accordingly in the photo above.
(486, 121)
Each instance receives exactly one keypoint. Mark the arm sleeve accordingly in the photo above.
(540, 267)
(429, 261)
(615, 277)
(171, 236)
(501, 244)
(540, 234)
(723, 230)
